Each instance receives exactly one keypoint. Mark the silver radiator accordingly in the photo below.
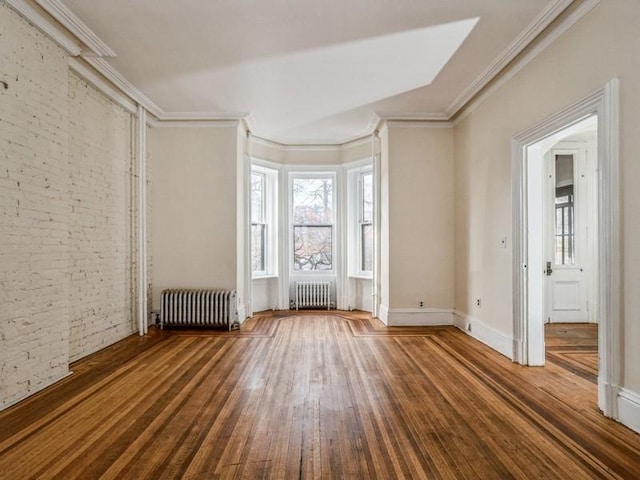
(313, 295)
(199, 308)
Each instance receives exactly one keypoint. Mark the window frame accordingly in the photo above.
(315, 174)
(356, 221)
(269, 221)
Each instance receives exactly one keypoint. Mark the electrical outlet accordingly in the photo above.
(421, 304)
(478, 302)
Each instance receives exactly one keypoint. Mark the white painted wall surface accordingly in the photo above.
(194, 221)
(34, 211)
(421, 223)
(564, 73)
(101, 234)
(65, 214)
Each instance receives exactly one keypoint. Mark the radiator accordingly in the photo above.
(313, 295)
(199, 308)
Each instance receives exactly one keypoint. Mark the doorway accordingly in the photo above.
(570, 223)
(529, 254)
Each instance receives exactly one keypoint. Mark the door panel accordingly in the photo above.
(566, 216)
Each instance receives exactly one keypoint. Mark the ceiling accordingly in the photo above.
(311, 71)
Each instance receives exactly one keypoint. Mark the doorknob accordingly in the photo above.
(549, 270)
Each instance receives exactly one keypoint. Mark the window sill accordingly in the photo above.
(361, 277)
(264, 277)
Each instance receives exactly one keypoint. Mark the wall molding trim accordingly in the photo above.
(413, 117)
(76, 27)
(98, 82)
(484, 333)
(337, 147)
(406, 317)
(629, 409)
(384, 314)
(396, 123)
(510, 71)
(480, 89)
(242, 313)
(201, 116)
(42, 23)
(155, 123)
(115, 77)
(522, 41)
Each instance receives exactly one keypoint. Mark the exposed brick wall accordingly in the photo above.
(100, 229)
(34, 210)
(67, 214)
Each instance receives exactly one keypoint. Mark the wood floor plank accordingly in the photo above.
(293, 395)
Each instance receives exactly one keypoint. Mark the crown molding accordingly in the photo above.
(284, 147)
(115, 77)
(502, 69)
(528, 35)
(326, 147)
(412, 117)
(76, 27)
(583, 9)
(157, 123)
(200, 116)
(419, 124)
(90, 76)
(42, 23)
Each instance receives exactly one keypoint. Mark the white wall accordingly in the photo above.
(34, 211)
(194, 221)
(601, 46)
(421, 217)
(65, 214)
(101, 236)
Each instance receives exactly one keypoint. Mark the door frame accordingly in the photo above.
(527, 278)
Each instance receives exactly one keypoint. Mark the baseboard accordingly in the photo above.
(383, 315)
(363, 303)
(629, 409)
(242, 313)
(410, 317)
(484, 333)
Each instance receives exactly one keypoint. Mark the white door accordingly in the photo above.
(566, 249)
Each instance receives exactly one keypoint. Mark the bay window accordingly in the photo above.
(313, 222)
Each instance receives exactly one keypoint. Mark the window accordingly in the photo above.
(360, 232)
(258, 223)
(366, 221)
(313, 220)
(263, 220)
(565, 219)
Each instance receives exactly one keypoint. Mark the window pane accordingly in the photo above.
(367, 247)
(312, 249)
(257, 197)
(564, 200)
(312, 201)
(257, 247)
(367, 198)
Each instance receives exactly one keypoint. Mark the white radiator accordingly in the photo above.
(199, 308)
(313, 295)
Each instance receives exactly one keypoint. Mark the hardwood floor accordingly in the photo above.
(313, 396)
(573, 346)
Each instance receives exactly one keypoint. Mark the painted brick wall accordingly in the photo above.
(67, 214)
(34, 210)
(100, 229)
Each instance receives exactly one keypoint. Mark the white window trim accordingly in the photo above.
(314, 172)
(355, 172)
(270, 217)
